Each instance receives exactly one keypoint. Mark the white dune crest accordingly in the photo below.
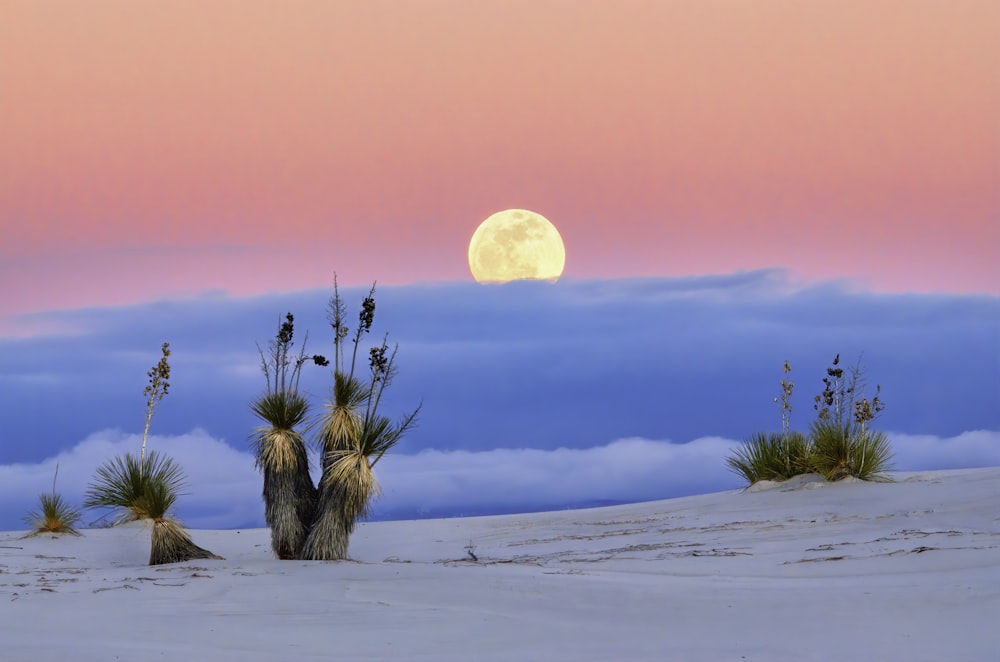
(902, 570)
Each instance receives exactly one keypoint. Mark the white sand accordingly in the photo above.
(847, 571)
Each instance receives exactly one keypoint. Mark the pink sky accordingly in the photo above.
(154, 149)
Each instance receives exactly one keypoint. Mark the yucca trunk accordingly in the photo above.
(289, 505)
(329, 536)
(332, 524)
(331, 528)
(345, 496)
(172, 544)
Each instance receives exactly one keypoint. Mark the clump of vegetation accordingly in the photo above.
(289, 494)
(840, 443)
(353, 436)
(146, 487)
(54, 515)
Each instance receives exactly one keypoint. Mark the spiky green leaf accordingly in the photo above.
(136, 489)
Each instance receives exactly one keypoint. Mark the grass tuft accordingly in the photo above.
(54, 516)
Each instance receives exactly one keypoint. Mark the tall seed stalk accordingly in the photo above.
(787, 386)
(159, 384)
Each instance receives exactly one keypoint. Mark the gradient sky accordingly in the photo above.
(161, 149)
(737, 184)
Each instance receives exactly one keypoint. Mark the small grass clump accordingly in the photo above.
(54, 516)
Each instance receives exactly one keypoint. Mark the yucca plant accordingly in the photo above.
(840, 451)
(774, 456)
(146, 489)
(121, 482)
(54, 515)
(353, 435)
(843, 446)
(289, 495)
(771, 457)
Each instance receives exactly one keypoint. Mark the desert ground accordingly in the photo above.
(803, 570)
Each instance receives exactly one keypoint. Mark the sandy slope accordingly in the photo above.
(847, 571)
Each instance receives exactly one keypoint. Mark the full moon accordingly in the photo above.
(516, 244)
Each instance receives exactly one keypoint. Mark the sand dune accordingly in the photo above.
(908, 570)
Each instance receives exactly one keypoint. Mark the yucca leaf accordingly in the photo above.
(136, 489)
(285, 410)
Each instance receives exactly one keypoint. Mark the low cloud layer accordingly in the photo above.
(524, 365)
(224, 487)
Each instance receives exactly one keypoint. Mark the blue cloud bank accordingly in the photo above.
(534, 395)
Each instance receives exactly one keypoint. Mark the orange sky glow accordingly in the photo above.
(152, 149)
